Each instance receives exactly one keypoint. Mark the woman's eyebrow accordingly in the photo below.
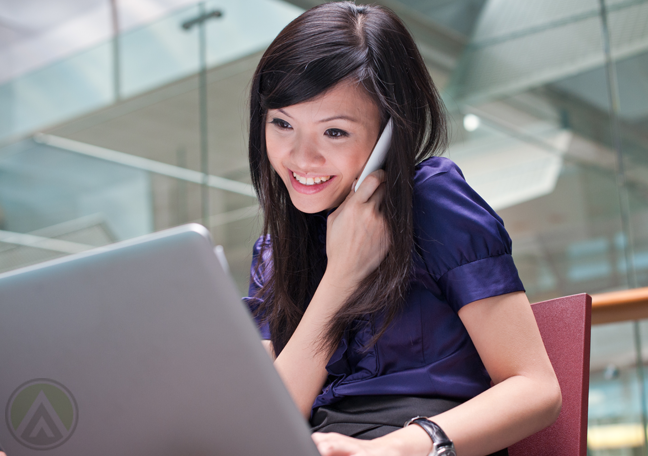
(342, 116)
(328, 119)
(284, 112)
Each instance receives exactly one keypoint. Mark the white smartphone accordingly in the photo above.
(378, 155)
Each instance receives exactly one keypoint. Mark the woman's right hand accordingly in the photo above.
(357, 239)
(356, 243)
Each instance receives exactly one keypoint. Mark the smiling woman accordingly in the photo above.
(397, 301)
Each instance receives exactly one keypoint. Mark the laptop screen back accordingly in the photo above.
(140, 348)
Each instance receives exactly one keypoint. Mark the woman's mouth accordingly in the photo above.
(310, 180)
(310, 185)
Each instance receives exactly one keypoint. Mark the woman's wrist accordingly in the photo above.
(341, 285)
(409, 441)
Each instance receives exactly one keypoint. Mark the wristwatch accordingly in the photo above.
(441, 444)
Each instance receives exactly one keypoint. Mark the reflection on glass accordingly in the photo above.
(63, 203)
(158, 53)
(57, 92)
(150, 56)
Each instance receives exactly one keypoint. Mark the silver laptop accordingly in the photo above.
(139, 348)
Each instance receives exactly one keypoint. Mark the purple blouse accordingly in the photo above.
(464, 254)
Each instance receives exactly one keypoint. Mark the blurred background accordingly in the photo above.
(119, 118)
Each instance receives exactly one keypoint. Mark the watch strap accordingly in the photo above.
(442, 445)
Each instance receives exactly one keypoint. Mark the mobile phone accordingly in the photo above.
(378, 154)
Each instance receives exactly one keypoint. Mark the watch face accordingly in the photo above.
(445, 451)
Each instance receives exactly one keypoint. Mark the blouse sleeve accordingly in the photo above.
(462, 241)
(258, 272)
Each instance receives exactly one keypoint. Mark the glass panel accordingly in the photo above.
(6, 111)
(245, 27)
(50, 194)
(614, 427)
(629, 43)
(57, 92)
(165, 51)
(632, 77)
(532, 130)
(150, 56)
(158, 53)
(55, 202)
(552, 181)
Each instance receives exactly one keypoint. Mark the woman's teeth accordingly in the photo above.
(310, 180)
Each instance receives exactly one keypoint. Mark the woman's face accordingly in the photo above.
(319, 147)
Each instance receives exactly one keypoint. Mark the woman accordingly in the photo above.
(398, 300)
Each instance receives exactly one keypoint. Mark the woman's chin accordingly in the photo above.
(312, 204)
(310, 207)
(316, 202)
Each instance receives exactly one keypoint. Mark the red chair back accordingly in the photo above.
(565, 326)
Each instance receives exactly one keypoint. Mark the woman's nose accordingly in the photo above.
(306, 154)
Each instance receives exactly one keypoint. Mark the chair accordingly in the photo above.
(565, 326)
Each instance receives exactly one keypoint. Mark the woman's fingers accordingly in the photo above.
(333, 215)
(356, 233)
(378, 195)
(369, 185)
(333, 444)
(365, 192)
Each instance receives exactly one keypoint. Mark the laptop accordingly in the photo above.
(139, 348)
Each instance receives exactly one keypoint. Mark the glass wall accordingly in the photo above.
(548, 103)
(138, 95)
(551, 129)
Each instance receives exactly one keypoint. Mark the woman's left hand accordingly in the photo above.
(334, 444)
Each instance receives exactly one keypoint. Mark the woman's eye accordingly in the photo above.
(335, 133)
(281, 123)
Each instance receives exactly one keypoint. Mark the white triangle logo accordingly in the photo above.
(41, 426)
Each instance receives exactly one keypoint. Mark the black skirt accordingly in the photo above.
(369, 417)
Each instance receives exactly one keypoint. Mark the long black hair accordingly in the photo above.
(327, 44)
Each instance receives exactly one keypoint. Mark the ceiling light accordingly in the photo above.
(471, 122)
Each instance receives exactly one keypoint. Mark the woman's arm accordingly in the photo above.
(267, 344)
(355, 246)
(525, 397)
(301, 366)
